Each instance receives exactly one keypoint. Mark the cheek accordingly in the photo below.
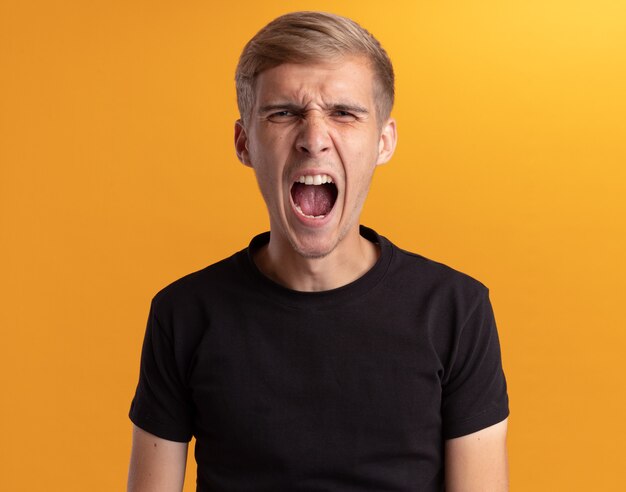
(265, 177)
(361, 145)
(360, 162)
(268, 151)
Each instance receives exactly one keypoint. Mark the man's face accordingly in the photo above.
(313, 140)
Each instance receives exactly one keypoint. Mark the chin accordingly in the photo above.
(313, 249)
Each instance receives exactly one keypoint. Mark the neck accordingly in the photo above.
(350, 260)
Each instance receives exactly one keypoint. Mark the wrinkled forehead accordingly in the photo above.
(337, 80)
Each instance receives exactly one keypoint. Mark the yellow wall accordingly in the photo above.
(118, 176)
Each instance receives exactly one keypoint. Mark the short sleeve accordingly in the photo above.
(474, 393)
(161, 405)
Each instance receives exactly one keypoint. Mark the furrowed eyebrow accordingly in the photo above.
(350, 108)
(279, 107)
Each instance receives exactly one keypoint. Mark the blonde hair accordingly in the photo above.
(304, 37)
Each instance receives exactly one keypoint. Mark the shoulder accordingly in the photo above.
(437, 279)
(196, 288)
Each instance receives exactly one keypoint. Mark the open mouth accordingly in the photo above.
(314, 195)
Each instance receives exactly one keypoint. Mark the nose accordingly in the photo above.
(313, 138)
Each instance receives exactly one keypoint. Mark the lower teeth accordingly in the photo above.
(309, 216)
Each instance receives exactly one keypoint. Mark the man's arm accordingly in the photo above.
(478, 462)
(156, 465)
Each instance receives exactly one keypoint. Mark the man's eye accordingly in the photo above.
(279, 116)
(344, 115)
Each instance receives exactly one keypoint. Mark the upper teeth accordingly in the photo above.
(315, 179)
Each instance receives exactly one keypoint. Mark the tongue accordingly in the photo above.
(313, 200)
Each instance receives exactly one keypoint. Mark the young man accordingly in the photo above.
(321, 357)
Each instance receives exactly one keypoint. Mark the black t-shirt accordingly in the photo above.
(352, 389)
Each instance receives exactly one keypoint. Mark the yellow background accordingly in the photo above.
(118, 176)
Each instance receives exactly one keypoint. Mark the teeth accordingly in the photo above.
(309, 216)
(315, 179)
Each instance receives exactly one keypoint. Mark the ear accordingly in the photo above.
(387, 142)
(241, 144)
